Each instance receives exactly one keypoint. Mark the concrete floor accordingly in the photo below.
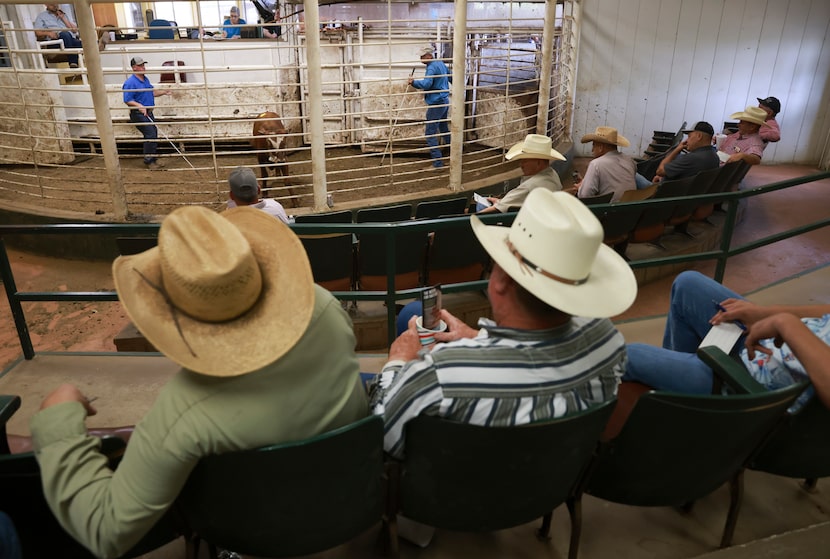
(778, 519)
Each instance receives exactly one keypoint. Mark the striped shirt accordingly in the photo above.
(503, 377)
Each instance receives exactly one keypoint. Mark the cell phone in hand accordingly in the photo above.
(431, 303)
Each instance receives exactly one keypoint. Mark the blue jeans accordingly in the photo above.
(410, 309)
(641, 181)
(437, 124)
(70, 42)
(9, 542)
(149, 131)
(675, 366)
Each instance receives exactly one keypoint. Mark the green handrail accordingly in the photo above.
(391, 295)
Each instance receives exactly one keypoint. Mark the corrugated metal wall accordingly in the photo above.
(648, 65)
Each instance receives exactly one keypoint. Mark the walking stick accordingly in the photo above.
(394, 125)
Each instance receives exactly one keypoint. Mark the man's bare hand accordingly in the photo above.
(739, 309)
(456, 328)
(407, 345)
(67, 393)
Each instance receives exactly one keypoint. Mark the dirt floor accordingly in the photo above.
(200, 177)
(61, 326)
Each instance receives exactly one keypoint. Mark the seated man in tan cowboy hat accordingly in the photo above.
(522, 366)
(534, 155)
(266, 355)
(746, 144)
(610, 170)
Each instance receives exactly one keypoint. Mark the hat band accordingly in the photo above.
(524, 263)
(173, 310)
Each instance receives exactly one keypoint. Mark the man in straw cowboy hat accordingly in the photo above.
(746, 144)
(534, 155)
(550, 350)
(266, 355)
(436, 85)
(609, 170)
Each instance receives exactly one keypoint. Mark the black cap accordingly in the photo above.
(772, 103)
(702, 126)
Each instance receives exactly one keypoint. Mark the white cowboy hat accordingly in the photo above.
(554, 250)
(534, 146)
(221, 295)
(755, 115)
(606, 135)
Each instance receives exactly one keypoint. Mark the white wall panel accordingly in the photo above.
(648, 65)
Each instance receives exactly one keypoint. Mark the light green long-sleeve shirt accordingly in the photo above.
(313, 388)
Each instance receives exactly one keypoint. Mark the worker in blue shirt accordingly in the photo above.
(437, 96)
(140, 97)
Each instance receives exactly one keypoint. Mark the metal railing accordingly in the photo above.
(391, 295)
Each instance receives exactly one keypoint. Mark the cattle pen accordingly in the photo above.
(354, 128)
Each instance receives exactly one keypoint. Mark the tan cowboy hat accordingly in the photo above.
(221, 294)
(606, 135)
(554, 249)
(534, 146)
(755, 115)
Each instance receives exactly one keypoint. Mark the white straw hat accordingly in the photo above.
(755, 115)
(222, 294)
(534, 146)
(554, 249)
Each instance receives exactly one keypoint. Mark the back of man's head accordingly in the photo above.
(244, 187)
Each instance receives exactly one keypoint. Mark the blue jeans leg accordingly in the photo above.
(641, 181)
(410, 309)
(9, 541)
(692, 305)
(675, 366)
(435, 116)
(150, 133)
(70, 42)
(665, 369)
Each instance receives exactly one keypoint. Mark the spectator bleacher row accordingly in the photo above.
(344, 261)
(463, 477)
(639, 224)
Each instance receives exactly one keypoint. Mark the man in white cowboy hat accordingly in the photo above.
(436, 87)
(534, 155)
(550, 350)
(746, 144)
(609, 170)
(266, 355)
(245, 191)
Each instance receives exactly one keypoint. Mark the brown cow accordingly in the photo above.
(269, 142)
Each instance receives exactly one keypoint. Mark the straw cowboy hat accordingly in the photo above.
(554, 249)
(534, 146)
(221, 294)
(606, 135)
(755, 115)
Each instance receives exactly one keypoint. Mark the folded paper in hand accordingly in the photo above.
(479, 199)
(723, 336)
